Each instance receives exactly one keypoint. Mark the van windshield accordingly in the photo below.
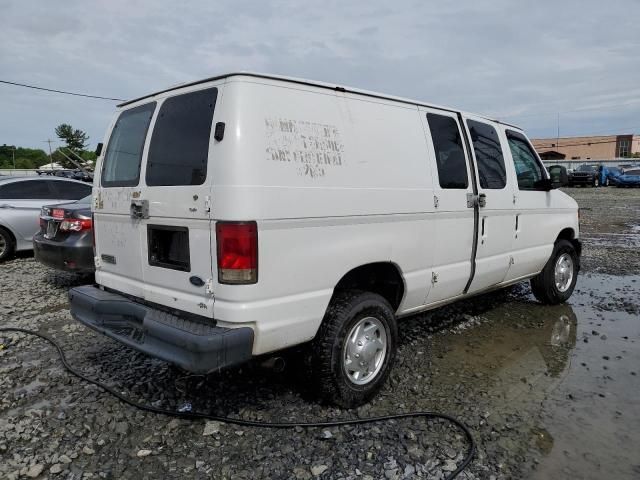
(122, 159)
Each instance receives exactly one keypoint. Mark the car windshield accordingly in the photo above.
(586, 168)
(632, 172)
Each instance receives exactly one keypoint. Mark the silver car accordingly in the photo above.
(21, 199)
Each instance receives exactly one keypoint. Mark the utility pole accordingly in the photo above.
(558, 135)
(14, 157)
(50, 157)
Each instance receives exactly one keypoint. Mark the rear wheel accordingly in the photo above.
(7, 245)
(555, 283)
(596, 182)
(354, 349)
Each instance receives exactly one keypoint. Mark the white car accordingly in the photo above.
(21, 199)
(244, 214)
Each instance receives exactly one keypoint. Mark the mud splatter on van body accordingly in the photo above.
(313, 147)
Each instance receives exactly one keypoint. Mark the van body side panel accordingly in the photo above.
(334, 182)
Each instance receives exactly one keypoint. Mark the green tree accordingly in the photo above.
(76, 139)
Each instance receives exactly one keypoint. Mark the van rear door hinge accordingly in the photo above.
(208, 286)
(207, 204)
(436, 201)
(97, 262)
(434, 278)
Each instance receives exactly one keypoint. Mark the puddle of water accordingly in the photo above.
(570, 374)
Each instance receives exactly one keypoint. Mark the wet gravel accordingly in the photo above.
(549, 392)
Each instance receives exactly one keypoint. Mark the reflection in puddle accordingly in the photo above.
(559, 384)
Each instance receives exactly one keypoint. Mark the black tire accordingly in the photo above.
(346, 310)
(7, 244)
(544, 286)
(607, 182)
(596, 183)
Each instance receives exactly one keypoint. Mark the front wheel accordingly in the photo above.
(596, 183)
(555, 283)
(355, 347)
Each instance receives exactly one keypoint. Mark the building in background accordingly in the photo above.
(607, 147)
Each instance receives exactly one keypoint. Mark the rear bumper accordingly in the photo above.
(72, 256)
(194, 346)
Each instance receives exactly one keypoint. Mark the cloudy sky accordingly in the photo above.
(519, 61)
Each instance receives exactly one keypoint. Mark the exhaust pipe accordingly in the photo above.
(277, 364)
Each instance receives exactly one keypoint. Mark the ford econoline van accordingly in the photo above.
(245, 214)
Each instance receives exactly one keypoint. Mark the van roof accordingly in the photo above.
(313, 83)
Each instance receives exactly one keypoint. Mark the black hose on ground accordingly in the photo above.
(252, 423)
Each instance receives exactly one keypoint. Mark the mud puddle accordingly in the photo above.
(563, 379)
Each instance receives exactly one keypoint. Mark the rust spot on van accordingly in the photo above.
(314, 148)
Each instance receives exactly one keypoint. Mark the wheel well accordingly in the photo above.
(569, 234)
(11, 235)
(383, 278)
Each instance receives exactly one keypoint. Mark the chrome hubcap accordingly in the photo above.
(563, 272)
(365, 350)
(3, 244)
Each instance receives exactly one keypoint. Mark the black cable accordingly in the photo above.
(253, 423)
(61, 91)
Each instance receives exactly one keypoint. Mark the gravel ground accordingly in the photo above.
(549, 392)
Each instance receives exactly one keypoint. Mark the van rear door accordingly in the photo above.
(176, 246)
(153, 231)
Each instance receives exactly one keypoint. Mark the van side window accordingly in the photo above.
(450, 159)
(528, 169)
(179, 147)
(122, 159)
(489, 158)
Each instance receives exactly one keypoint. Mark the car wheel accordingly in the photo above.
(596, 182)
(555, 283)
(354, 349)
(7, 244)
(607, 182)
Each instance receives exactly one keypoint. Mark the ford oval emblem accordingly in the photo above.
(196, 281)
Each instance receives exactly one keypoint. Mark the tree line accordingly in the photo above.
(75, 143)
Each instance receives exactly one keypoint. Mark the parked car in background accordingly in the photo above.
(21, 199)
(628, 178)
(607, 174)
(65, 239)
(584, 175)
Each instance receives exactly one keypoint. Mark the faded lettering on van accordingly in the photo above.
(313, 147)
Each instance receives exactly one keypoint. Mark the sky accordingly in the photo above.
(521, 62)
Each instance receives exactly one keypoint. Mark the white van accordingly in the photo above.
(245, 213)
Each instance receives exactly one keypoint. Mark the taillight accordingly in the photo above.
(237, 244)
(75, 224)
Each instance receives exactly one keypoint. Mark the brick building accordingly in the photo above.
(605, 147)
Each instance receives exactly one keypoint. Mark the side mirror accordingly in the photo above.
(559, 176)
(99, 149)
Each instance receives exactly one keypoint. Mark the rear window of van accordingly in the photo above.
(121, 167)
(180, 141)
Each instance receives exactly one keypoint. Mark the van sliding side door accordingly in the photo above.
(494, 203)
(454, 218)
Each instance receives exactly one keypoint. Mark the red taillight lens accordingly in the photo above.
(237, 252)
(75, 224)
(93, 235)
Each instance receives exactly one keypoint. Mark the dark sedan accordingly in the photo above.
(65, 239)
